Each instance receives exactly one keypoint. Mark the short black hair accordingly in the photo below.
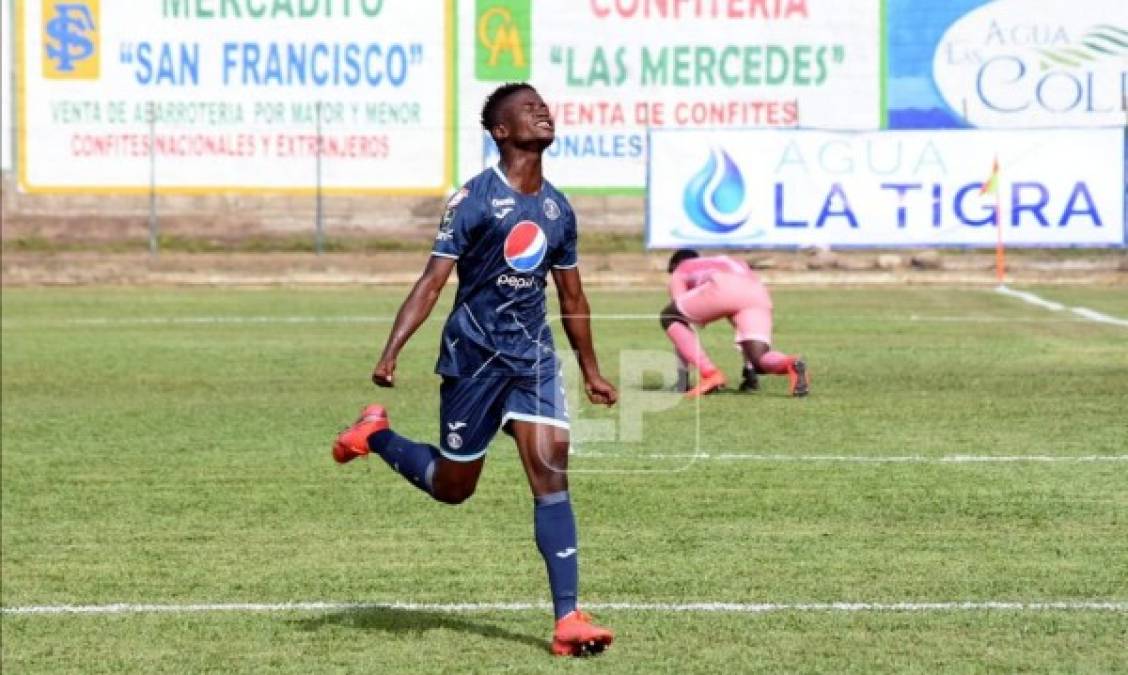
(492, 106)
(680, 255)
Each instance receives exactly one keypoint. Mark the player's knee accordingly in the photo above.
(453, 491)
(454, 495)
(554, 474)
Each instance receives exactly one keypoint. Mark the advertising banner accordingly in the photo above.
(611, 69)
(6, 112)
(1007, 64)
(780, 188)
(236, 95)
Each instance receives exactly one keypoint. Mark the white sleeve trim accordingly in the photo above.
(566, 267)
(444, 255)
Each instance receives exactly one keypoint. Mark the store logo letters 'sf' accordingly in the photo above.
(70, 40)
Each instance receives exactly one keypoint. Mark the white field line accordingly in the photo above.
(107, 322)
(201, 320)
(1092, 315)
(471, 607)
(236, 319)
(1083, 312)
(864, 459)
(970, 318)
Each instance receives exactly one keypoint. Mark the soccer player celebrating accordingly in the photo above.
(504, 230)
(704, 289)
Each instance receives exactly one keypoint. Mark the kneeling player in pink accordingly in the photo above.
(704, 289)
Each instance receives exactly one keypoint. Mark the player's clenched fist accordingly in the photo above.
(601, 391)
(383, 375)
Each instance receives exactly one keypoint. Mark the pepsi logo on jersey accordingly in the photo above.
(515, 281)
(525, 246)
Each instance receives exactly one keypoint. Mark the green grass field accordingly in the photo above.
(171, 447)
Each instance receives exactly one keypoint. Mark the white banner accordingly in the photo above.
(755, 189)
(244, 95)
(6, 130)
(611, 69)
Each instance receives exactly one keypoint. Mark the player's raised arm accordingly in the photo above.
(576, 318)
(412, 313)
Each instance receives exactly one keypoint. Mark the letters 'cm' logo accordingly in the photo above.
(68, 31)
(499, 33)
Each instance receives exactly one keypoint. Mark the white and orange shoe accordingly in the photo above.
(353, 442)
(576, 635)
(708, 384)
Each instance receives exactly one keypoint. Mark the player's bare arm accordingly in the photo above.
(412, 313)
(576, 319)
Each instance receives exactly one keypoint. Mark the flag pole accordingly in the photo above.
(991, 186)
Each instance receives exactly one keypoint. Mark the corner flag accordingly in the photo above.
(991, 187)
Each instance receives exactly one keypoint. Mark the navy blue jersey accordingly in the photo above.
(505, 242)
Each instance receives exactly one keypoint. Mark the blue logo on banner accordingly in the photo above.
(68, 32)
(714, 195)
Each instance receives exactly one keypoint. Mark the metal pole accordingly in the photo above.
(319, 225)
(153, 228)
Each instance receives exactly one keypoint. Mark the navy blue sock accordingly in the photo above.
(555, 529)
(414, 461)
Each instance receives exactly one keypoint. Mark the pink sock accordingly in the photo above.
(689, 347)
(776, 363)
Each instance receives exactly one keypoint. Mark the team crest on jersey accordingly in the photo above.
(525, 246)
(551, 209)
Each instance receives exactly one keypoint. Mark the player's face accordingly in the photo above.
(527, 121)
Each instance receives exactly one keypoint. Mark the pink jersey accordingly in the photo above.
(696, 271)
(707, 289)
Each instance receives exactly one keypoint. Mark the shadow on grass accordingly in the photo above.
(406, 621)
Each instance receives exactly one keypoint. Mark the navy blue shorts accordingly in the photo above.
(472, 409)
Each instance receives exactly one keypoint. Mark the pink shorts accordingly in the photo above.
(743, 301)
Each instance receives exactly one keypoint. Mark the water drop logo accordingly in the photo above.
(714, 196)
(525, 246)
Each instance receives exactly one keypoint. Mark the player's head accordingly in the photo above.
(680, 255)
(516, 115)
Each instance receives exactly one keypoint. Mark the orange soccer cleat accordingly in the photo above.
(800, 380)
(576, 635)
(708, 384)
(353, 442)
